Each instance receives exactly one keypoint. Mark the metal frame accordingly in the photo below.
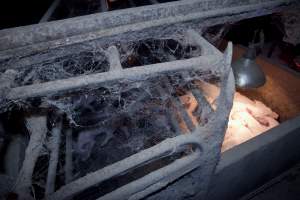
(79, 29)
(209, 61)
(110, 26)
(206, 139)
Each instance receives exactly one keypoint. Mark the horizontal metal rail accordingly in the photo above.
(208, 62)
(167, 13)
(216, 15)
(157, 179)
(167, 147)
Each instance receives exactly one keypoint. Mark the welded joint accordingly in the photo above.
(206, 47)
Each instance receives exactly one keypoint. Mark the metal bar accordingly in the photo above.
(2, 137)
(176, 174)
(153, 1)
(204, 108)
(103, 6)
(206, 47)
(158, 179)
(167, 147)
(6, 82)
(69, 157)
(54, 156)
(207, 63)
(186, 118)
(37, 126)
(173, 121)
(171, 114)
(138, 17)
(49, 12)
(177, 103)
(114, 58)
(213, 134)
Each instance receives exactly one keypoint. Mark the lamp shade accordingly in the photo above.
(247, 72)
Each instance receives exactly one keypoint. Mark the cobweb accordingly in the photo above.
(116, 120)
(79, 63)
(152, 51)
(85, 59)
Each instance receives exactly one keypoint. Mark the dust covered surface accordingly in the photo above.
(112, 121)
(115, 121)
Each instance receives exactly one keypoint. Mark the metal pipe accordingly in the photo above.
(69, 157)
(49, 12)
(54, 144)
(37, 127)
(129, 24)
(154, 180)
(206, 63)
(167, 147)
(104, 6)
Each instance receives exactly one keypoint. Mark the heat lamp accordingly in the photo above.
(248, 74)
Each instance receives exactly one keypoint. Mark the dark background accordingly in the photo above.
(22, 12)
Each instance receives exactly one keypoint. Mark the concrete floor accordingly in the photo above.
(283, 187)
